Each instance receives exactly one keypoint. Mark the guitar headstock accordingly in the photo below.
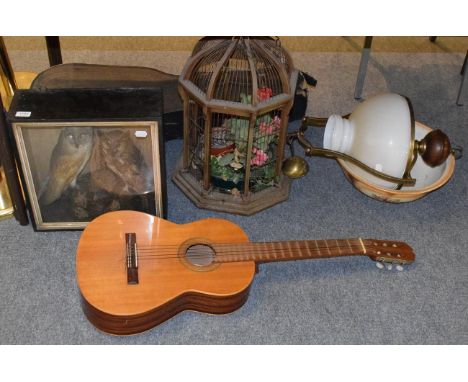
(389, 252)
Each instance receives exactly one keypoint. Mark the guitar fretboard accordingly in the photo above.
(263, 252)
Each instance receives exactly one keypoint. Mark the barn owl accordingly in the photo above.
(69, 157)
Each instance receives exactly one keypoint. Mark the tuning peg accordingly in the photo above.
(399, 267)
(389, 266)
(379, 265)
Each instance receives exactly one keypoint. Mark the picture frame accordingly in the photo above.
(75, 169)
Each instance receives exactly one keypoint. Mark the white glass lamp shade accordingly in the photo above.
(379, 133)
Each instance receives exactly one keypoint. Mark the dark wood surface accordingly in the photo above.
(87, 104)
(93, 76)
(53, 50)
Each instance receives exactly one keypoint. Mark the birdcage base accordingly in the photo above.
(227, 202)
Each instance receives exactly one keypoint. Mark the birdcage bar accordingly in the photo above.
(253, 72)
(217, 70)
(185, 153)
(282, 73)
(268, 75)
(282, 137)
(197, 138)
(281, 54)
(206, 69)
(207, 154)
(206, 43)
(248, 159)
(245, 111)
(195, 60)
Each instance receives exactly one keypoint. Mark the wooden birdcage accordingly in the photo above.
(237, 95)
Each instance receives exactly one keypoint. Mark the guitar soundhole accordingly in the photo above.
(200, 255)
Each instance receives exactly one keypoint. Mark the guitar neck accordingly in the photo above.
(264, 252)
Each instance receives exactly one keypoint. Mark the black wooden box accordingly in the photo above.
(84, 152)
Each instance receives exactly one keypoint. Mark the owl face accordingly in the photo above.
(113, 138)
(78, 136)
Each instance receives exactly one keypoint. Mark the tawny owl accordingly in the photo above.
(117, 165)
(69, 157)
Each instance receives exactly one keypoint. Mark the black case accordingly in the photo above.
(93, 106)
(87, 76)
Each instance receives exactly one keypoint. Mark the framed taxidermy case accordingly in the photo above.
(84, 152)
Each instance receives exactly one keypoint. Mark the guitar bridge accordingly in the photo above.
(132, 258)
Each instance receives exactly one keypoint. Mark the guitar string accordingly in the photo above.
(245, 257)
(325, 241)
(234, 248)
(244, 245)
(259, 253)
(204, 254)
(256, 248)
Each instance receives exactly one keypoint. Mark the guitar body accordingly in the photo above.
(167, 282)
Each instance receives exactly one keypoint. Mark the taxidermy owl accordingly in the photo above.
(69, 157)
(117, 165)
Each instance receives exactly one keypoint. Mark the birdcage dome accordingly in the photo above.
(251, 72)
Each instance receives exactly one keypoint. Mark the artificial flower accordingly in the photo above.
(264, 93)
(260, 157)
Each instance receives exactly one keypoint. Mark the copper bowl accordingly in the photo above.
(428, 178)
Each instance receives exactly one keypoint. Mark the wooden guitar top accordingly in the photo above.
(167, 283)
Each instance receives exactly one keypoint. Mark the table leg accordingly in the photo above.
(365, 54)
(54, 51)
(463, 82)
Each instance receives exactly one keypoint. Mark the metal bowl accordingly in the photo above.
(428, 178)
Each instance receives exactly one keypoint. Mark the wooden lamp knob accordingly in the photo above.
(435, 148)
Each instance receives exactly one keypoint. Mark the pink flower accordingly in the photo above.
(270, 128)
(277, 122)
(264, 93)
(265, 128)
(260, 157)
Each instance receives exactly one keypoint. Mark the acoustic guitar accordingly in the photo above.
(135, 270)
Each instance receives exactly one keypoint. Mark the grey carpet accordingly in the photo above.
(334, 301)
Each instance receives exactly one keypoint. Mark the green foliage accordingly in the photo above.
(239, 132)
(224, 171)
(246, 98)
(263, 176)
(224, 160)
(231, 166)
